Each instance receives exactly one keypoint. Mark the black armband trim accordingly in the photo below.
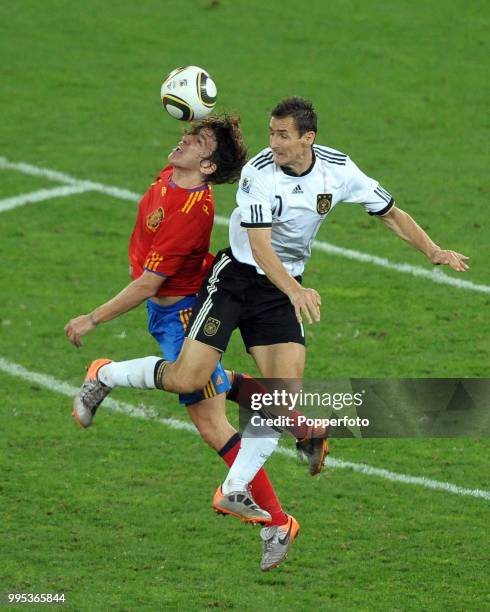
(252, 225)
(385, 210)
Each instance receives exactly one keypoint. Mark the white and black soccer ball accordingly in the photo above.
(188, 93)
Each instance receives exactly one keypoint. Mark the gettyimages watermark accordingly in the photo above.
(367, 408)
(265, 403)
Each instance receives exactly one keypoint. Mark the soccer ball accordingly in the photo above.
(188, 93)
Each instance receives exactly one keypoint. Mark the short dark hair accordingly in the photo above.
(230, 154)
(300, 110)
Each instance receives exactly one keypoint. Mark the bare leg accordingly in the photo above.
(192, 370)
(284, 360)
(209, 416)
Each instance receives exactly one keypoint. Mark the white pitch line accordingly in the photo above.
(40, 196)
(435, 275)
(61, 177)
(143, 412)
(24, 168)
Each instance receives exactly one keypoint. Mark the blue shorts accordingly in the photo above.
(167, 324)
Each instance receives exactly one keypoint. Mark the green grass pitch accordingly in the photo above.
(119, 517)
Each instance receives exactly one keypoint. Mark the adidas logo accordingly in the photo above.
(297, 189)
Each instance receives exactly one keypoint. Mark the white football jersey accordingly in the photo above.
(295, 206)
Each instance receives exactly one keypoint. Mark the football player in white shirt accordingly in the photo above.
(286, 192)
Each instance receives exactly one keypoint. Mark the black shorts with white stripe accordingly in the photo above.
(234, 296)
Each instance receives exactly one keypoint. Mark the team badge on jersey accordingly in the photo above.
(246, 184)
(211, 326)
(323, 203)
(154, 219)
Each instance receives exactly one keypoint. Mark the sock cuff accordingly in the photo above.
(160, 366)
(235, 438)
(236, 381)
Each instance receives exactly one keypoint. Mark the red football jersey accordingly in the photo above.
(172, 235)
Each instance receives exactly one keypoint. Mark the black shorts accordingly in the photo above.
(235, 295)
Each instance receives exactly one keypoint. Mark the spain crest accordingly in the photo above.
(211, 326)
(323, 203)
(154, 219)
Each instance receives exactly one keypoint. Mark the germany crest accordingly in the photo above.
(323, 203)
(211, 326)
(154, 219)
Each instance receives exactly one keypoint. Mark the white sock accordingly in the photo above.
(254, 452)
(133, 373)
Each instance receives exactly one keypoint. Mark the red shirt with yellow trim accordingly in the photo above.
(172, 234)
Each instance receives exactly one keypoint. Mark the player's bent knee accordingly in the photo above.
(189, 382)
(182, 378)
(184, 386)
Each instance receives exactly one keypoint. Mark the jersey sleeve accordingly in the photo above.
(253, 199)
(175, 240)
(361, 189)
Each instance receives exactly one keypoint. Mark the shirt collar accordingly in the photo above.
(289, 172)
(173, 185)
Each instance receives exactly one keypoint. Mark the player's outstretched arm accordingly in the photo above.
(306, 302)
(131, 296)
(407, 229)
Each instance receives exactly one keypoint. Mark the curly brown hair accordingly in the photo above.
(230, 154)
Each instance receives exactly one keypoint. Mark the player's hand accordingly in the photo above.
(454, 260)
(306, 303)
(78, 327)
